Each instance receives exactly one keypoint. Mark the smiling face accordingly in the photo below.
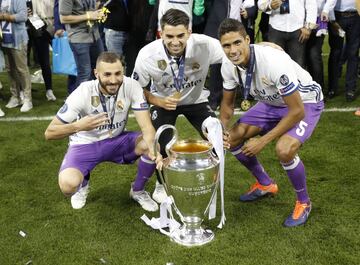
(175, 38)
(236, 47)
(110, 76)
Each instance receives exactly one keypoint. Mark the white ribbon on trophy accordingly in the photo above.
(164, 221)
(215, 136)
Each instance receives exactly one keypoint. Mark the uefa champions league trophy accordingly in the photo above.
(190, 176)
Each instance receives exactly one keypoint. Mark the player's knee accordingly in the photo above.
(68, 185)
(285, 153)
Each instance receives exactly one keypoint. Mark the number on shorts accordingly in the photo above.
(301, 128)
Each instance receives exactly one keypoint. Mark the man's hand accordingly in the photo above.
(324, 16)
(244, 13)
(304, 35)
(168, 103)
(95, 15)
(253, 146)
(275, 4)
(59, 33)
(91, 122)
(226, 139)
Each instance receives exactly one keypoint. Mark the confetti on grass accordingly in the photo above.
(22, 233)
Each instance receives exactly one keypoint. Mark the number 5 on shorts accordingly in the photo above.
(301, 128)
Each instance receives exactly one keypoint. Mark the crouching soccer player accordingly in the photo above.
(94, 116)
(289, 107)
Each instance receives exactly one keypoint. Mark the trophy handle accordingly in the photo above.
(168, 145)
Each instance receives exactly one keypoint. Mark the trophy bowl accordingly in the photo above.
(190, 176)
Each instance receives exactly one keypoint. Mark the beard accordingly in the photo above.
(105, 86)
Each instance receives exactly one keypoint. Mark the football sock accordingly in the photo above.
(296, 172)
(253, 165)
(146, 168)
(85, 180)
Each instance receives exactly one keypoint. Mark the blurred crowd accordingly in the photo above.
(125, 26)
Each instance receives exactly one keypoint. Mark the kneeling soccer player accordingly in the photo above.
(94, 117)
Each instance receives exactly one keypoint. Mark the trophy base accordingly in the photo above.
(192, 237)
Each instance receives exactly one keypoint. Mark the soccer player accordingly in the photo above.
(289, 107)
(94, 117)
(176, 66)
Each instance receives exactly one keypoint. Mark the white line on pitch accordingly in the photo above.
(237, 112)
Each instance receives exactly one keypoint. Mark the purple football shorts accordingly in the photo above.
(85, 157)
(267, 117)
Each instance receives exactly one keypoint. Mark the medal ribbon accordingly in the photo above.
(111, 115)
(249, 74)
(178, 80)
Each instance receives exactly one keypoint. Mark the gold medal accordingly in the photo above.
(176, 95)
(245, 105)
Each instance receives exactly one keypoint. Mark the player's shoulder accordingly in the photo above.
(270, 56)
(197, 38)
(85, 89)
(150, 49)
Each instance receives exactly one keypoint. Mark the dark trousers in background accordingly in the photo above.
(314, 62)
(289, 41)
(41, 44)
(351, 26)
(85, 55)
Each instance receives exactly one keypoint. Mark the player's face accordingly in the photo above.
(110, 76)
(236, 48)
(175, 38)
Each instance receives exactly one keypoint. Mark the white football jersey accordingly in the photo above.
(153, 65)
(275, 75)
(183, 5)
(85, 100)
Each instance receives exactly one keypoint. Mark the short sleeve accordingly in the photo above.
(216, 51)
(138, 100)
(65, 7)
(229, 82)
(284, 75)
(140, 73)
(72, 107)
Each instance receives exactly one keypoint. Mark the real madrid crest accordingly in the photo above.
(119, 105)
(95, 101)
(195, 66)
(162, 64)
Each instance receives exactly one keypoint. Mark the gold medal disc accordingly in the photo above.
(245, 105)
(176, 95)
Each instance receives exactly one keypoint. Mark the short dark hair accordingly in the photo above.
(174, 17)
(231, 25)
(108, 57)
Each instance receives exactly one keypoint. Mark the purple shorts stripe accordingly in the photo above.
(266, 117)
(85, 157)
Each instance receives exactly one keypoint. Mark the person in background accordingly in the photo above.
(290, 24)
(13, 15)
(117, 26)
(59, 31)
(289, 107)
(81, 23)
(42, 10)
(313, 56)
(346, 26)
(94, 117)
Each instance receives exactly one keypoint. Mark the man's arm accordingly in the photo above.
(295, 114)
(88, 16)
(59, 130)
(143, 119)
(227, 107)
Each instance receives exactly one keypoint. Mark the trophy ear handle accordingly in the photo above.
(170, 143)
